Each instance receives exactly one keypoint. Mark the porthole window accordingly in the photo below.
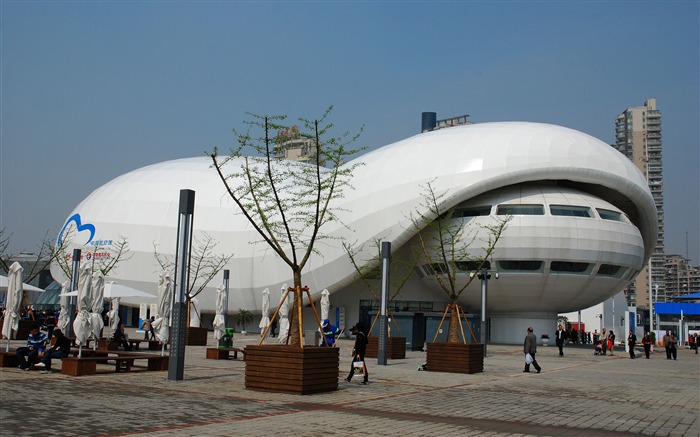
(570, 210)
(520, 210)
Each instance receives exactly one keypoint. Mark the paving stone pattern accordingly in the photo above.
(576, 395)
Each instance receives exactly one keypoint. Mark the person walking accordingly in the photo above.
(695, 342)
(146, 326)
(667, 344)
(604, 341)
(358, 352)
(559, 335)
(631, 341)
(530, 347)
(153, 329)
(692, 342)
(674, 346)
(646, 343)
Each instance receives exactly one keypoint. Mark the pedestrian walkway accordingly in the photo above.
(578, 394)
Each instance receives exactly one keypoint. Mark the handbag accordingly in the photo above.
(528, 359)
(358, 367)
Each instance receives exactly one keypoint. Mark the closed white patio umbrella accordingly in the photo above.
(96, 308)
(284, 319)
(265, 319)
(162, 321)
(63, 316)
(81, 324)
(13, 303)
(219, 320)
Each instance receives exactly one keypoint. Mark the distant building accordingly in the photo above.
(429, 121)
(681, 278)
(293, 146)
(638, 136)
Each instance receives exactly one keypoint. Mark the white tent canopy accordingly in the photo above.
(26, 287)
(112, 290)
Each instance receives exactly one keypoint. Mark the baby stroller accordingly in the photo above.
(598, 348)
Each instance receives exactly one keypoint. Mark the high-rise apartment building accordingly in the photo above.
(638, 136)
(681, 278)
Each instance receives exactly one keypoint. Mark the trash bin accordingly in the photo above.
(312, 338)
(226, 341)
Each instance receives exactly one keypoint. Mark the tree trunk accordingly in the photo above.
(297, 309)
(454, 324)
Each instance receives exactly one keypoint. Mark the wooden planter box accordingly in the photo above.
(196, 336)
(291, 369)
(455, 357)
(396, 348)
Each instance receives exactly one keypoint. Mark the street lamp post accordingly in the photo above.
(484, 276)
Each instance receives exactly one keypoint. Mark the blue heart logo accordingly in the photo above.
(80, 227)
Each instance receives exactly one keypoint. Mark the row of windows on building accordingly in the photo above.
(538, 209)
(534, 266)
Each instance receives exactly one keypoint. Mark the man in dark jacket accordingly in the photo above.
(631, 341)
(560, 334)
(358, 352)
(530, 347)
(59, 349)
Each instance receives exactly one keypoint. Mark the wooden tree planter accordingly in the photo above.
(291, 369)
(196, 336)
(396, 347)
(455, 357)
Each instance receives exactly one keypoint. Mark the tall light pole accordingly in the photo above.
(383, 344)
(176, 364)
(484, 276)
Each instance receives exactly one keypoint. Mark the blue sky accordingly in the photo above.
(92, 90)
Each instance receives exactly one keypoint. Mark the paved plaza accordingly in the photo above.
(576, 395)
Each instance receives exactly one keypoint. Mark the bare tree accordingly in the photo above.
(369, 272)
(448, 247)
(286, 202)
(204, 265)
(102, 257)
(40, 261)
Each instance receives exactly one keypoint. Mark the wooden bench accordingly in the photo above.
(153, 345)
(9, 359)
(222, 353)
(123, 362)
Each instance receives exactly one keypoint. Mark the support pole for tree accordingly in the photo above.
(383, 344)
(176, 366)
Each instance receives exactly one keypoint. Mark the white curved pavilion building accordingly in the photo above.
(584, 224)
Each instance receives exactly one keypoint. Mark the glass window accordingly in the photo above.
(520, 265)
(611, 270)
(472, 211)
(520, 210)
(569, 267)
(606, 214)
(434, 268)
(569, 210)
(471, 266)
